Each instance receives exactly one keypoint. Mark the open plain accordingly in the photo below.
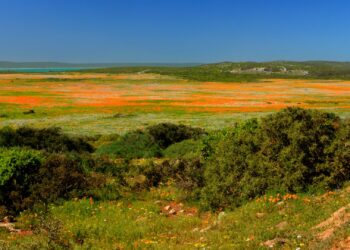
(102, 103)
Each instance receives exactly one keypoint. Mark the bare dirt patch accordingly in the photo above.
(342, 245)
(336, 221)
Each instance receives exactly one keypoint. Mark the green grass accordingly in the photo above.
(137, 222)
(93, 123)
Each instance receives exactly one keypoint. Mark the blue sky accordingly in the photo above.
(174, 30)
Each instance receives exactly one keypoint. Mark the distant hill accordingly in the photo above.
(222, 71)
(246, 71)
(307, 68)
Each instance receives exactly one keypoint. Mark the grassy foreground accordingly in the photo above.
(144, 221)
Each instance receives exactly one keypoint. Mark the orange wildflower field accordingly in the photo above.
(95, 103)
(156, 93)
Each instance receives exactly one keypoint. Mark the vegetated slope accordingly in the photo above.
(279, 181)
(246, 71)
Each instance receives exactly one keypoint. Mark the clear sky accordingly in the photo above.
(174, 30)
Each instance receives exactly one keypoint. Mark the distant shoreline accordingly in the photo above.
(39, 70)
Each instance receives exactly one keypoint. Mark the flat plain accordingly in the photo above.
(100, 103)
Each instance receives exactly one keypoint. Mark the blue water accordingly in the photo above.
(39, 70)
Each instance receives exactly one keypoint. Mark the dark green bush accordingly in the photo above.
(60, 176)
(111, 167)
(186, 173)
(17, 169)
(285, 152)
(165, 134)
(136, 144)
(49, 139)
(228, 156)
(337, 167)
(28, 180)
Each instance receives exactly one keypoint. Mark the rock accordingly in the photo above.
(280, 203)
(205, 229)
(172, 212)
(282, 225)
(275, 242)
(260, 215)
(221, 216)
(195, 229)
(166, 208)
(6, 219)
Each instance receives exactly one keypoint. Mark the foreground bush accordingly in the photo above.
(17, 169)
(187, 174)
(337, 166)
(61, 177)
(28, 180)
(293, 150)
(49, 139)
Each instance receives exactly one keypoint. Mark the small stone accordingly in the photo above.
(274, 242)
(282, 225)
(205, 229)
(6, 219)
(166, 208)
(172, 211)
(221, 216)
(260, 215)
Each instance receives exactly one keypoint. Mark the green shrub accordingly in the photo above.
(60, 176)
(136, 144)
(17, 169)
(29, 180)
(111, 167)
(49, 139)
(184, 149)
(227, 161)
(285, 152)
(186, 173)
(337, 167)
(165, 134)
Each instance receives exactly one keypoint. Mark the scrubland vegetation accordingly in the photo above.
(246, 71)
(258, 183)
(204, 157)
